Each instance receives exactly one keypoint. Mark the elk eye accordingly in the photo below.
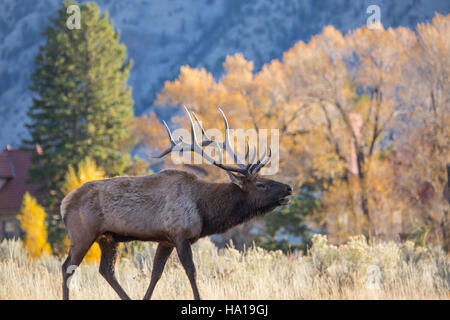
(261, 186)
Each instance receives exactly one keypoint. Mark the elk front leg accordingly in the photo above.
(77, 251)
(108, 247)
(185, 254)
(161, 256)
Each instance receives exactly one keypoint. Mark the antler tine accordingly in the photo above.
(250, 162)
(247, 154)
(208, 140)
(195, 147)
(168, 132)
(247, 167)
(243, 167)
(194, 143)
(248, 150)
(243, 171)
(260, 164)
(172, 142)
(260, 158)
(255, 165)
(227, 145)
(162, 154)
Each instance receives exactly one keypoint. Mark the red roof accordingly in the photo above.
(14, 166)
(5, 165)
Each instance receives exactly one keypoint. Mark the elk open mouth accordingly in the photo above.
(283, 201)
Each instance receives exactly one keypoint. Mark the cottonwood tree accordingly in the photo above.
(424, 147)
(351, 110)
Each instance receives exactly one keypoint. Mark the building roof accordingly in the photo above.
(14, 166)
(5, 166)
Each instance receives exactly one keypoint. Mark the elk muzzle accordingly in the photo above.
(284, 200)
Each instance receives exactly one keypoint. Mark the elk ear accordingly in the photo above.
(238, 180)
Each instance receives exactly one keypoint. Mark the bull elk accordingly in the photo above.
(171, 207)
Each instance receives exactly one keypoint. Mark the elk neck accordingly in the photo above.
(223, 206)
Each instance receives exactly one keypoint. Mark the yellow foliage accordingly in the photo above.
(32, 222)
(334, 100)
(87, 171)
(94, 253)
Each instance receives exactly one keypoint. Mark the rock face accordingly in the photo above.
(161, 36)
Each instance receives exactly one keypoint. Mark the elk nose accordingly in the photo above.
(289, 189)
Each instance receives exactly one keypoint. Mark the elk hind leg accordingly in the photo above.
(109, 250)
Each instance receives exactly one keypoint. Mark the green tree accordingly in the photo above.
(285, 224)
(82, 105)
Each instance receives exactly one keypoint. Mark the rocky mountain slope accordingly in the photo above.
(161, 36)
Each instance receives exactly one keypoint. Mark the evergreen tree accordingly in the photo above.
(285, 229)
(82, 105)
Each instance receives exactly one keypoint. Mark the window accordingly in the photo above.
(2, 182)
(10, 228)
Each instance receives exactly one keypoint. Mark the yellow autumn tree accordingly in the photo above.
(352, 111)
(32, 222)
(425, 147)
(87, 171)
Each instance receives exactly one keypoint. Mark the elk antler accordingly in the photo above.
(245, 167)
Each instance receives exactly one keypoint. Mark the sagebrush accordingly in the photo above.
(355, 270)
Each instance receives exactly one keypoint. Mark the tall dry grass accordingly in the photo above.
(355, 270)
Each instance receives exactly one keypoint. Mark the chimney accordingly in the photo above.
(38, 148)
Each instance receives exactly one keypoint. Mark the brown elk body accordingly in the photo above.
(172, 207)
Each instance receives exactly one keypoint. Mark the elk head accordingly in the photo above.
(261, 194)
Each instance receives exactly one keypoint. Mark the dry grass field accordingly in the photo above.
(355, 270)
